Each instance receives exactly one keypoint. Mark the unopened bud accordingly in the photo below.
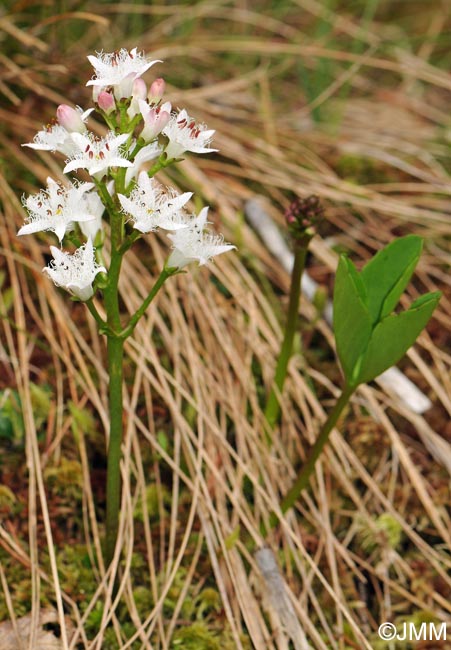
(106, 102)
(139, 90)
(70, 119)
(156, 91)
(155, 119)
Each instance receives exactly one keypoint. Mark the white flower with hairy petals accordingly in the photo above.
(55, 137)
(119, 70)
(185, 135)
(57, 208)
(193, 244)
(149, 152)
(75, 272)
(96, 155)
(150, 206)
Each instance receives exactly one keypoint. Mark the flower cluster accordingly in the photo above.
(143, 131)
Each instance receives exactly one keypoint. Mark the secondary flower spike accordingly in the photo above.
(192, 244)
(75, 272)
(184, 134)
(57, 208)
(151, 207)
(119, 70)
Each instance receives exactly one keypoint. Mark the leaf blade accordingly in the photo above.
(394, 335)
(352, 322)
(387, 274)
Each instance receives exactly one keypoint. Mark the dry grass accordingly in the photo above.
(217, 331)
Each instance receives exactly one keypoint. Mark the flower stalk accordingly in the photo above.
(302, 217)
(272, 409)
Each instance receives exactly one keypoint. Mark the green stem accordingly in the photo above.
(113, 481)
(129, 241)
(105, 196)
(272, 410)
(309, 465)
(164, 275)
(115, 350)
(99, 320)
(161, 164)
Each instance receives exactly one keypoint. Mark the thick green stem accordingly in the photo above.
(113, 482)
(309, 465)
(272, 410)
(115, 371)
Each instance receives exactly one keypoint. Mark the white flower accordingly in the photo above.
(150, 206)
(185, 135)
(193, 244)
(55, 137)
(57, 208)
(119, 70)
(155, 119)
(149, 152)
(97, 154)
(76, 272)
(96, 209)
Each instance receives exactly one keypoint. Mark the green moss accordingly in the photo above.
(195, 637)
(386, 532)
(208, 601)
(154, 495)
(76, 572)
(65, 479)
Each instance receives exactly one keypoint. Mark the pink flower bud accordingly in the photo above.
(155, 119)
(106, 102)
(70, 119)
(139, 89)
(156, 91)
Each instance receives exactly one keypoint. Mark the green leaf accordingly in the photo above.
(352, 322)
(388, 273)
(393, 336)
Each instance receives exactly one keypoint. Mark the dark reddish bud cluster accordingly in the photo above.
(302, 215)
